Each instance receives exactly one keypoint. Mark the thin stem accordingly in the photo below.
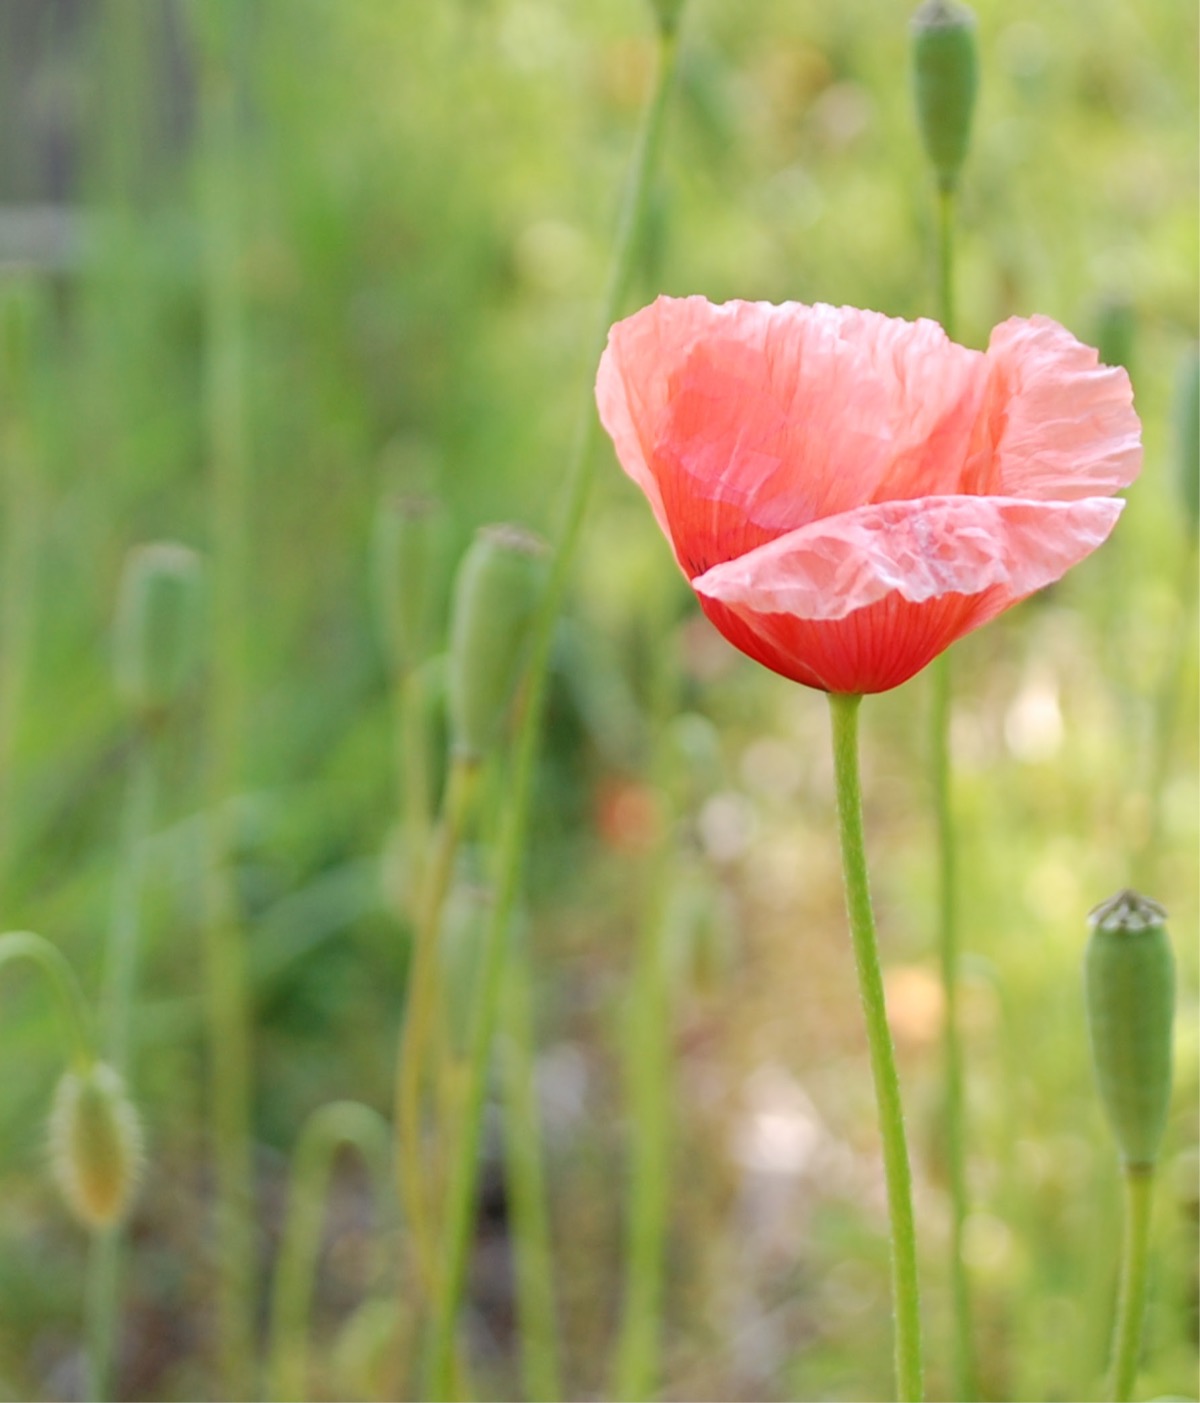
(227, 993)
(527, 1190)
(905, 1292)
(77, 1021)
(327, 1130)
(106, 1251)
(953, 1112)
(413, 748)
(1131, 1297)
(420, 1019)
(465, 1167)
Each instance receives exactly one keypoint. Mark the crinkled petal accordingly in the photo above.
(919, 549)
(743, 421)
(1059, 425)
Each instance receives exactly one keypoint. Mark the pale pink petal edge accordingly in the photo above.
(920, 549)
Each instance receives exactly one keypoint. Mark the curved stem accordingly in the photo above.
(24, 945)
(420, 1017)
(905, 1292)
(465, 1166)
(1131, 1297)
(953, 1113)
(325, 1132)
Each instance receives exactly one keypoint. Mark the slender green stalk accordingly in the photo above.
(327, 1130)
(227, 995)
(106, 1250)
(527, 1190)
(1131, 1297)
(953, 1113)
(420, 1020)
(77, 1021)
(464, 1169)
(905, 1292)
(412, 745)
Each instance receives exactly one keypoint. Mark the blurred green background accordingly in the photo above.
(427, 194)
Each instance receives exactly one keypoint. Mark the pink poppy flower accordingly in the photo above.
(849, 493)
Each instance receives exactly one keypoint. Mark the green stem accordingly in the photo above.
(954, 1131)
(227, 993)
(77, 1021)
(1131, 1297)
(464, 1170)
(106, 1251)
(527, 1190)
(326, 1131)
(905, 1293)
(412, 746)
(420, 1020)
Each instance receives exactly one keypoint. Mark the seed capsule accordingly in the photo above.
(403, 550)
(95, 1144)
(1130, 985)
(945, 80)
(495, 594)
(158, 628)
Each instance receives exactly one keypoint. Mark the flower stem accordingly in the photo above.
(226, 985)
(954, 1134)
(905, 1294)
(464, 1170)
(1131, 1297)
(325, 1132)
(24, 945)
(106, 1251)
(527, 1190)
(420, 1019)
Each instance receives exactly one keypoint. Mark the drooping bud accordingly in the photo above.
(945, 80)
(1130, 986)
(402, 556)
(496, 591)
(159, 629)
(1187, 435)
(95, 1144)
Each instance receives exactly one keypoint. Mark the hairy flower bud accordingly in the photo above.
(495, 594)
(158, 628)
(1130, 985)
(945, 79)
(95, 1144)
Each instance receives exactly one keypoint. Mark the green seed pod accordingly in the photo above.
(95, 1144)
(945, 80)
(667, 13)
(1187, 435)
(1116, 325)
(402, 555)
(158, 629)
(495, 594)
(1130, 985)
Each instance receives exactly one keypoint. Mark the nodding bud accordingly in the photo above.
(95, 1144)
(159, 629)
(496, 591)
(1130, 984)
(402, 554)
(945, 79)
(1187, 435)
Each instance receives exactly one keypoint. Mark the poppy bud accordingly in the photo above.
(95, 1144)
(495, 595)
(402, 557)
(1187, 434)
(1116, 323)
(158, 625)
(1130, 985)
(945, 78)
(667, 12)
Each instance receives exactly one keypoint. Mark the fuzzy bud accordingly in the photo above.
(95, 1144)
(158, 627)
(1130, 985)
(496, 592)
(945, 80)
